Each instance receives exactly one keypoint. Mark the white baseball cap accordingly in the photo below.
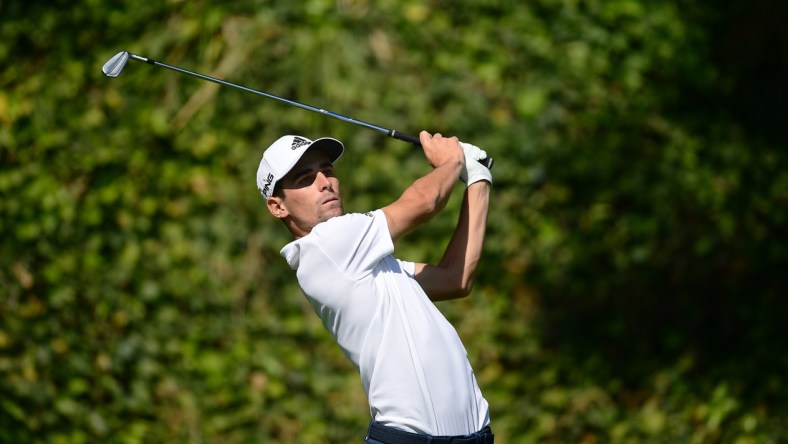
(283, 154)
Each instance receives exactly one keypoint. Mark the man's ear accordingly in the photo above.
(276, 205)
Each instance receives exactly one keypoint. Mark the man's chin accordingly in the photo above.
(331, 212)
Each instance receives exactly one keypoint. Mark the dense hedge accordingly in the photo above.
(633, 286)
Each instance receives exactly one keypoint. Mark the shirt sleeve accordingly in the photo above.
(355, 242)
(408, 267)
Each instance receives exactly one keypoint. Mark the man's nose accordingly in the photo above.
(322, 181)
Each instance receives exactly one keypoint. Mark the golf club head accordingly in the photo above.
(115, 65)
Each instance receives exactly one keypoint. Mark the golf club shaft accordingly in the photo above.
(488, 162)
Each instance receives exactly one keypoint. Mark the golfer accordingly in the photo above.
(414, 369)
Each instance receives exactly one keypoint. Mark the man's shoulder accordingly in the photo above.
(349, 230)
(353, 242)
(341, 222)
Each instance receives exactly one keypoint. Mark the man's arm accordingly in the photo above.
(453, 276)
(427, 195)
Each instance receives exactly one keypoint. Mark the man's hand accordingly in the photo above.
(441, 150)
(474, 171)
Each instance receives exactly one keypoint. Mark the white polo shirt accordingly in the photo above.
(413, 366)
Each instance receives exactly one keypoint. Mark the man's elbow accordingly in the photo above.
(466, 288)
(461, 290)
(461, 279)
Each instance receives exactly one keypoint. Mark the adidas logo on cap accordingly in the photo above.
(298, 142)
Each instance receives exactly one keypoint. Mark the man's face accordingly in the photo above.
(311, 194)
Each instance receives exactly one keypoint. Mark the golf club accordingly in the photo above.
(115, 65)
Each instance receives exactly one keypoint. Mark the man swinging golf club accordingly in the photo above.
(414, 369)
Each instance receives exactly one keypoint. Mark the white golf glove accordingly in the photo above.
(474, 171)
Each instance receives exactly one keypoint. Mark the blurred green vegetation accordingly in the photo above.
(633, 287)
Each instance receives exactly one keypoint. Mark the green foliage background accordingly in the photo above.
(633, 287)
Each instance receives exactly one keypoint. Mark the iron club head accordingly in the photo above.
(115, 65)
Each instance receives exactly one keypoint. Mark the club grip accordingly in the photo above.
(488, 162)
(405, 137)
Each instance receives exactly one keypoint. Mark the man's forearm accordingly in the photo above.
(422, 200)
(453, 276)
(428, 194)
